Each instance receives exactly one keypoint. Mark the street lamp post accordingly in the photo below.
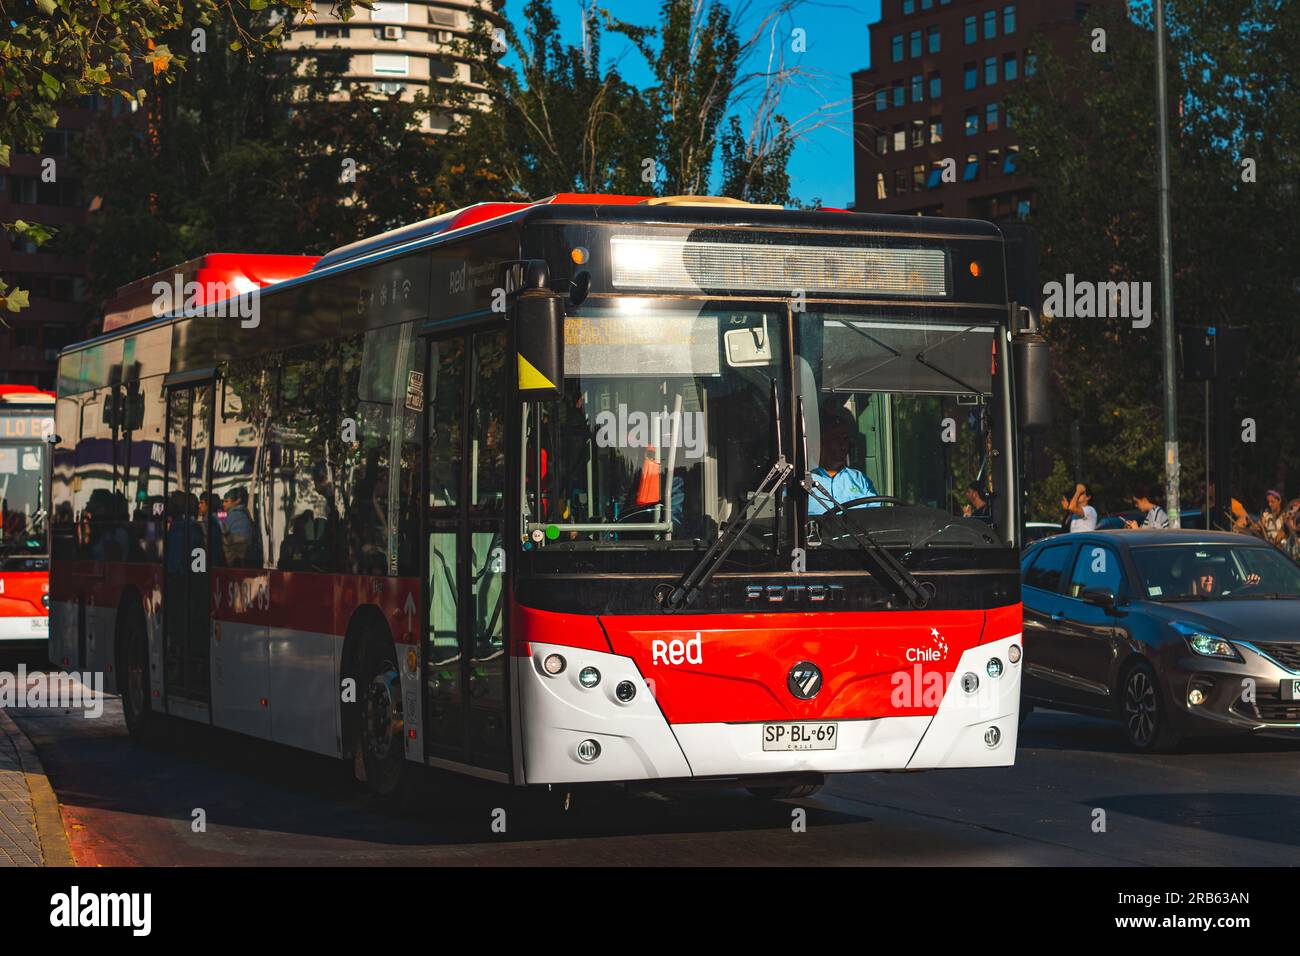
(1166, 279)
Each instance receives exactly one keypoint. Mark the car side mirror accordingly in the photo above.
(1101, 597)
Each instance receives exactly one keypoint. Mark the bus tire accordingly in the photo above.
(142, 722)
(784, 793)
(379, 752)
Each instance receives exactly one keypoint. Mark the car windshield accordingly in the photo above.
(22, 496)
(663, 430)
(899, 405)
(1203, 572)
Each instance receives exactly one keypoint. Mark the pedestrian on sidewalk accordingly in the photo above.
(1272, 520)
(1080, 515)
(1145, 502)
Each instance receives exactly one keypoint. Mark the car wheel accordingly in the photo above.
(1147, 720)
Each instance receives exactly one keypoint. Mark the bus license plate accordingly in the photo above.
(799, 736)
(1291, 690)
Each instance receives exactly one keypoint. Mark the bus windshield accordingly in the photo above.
(665, 427)
(22, 498)
(899, 426)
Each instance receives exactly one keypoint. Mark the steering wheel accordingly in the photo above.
(846, 505)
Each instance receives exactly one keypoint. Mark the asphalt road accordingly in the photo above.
(1226, 803)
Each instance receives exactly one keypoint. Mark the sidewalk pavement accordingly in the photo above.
(31, 827)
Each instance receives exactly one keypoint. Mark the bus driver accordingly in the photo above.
(832, 474)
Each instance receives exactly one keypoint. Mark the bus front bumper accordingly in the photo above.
(577, 734)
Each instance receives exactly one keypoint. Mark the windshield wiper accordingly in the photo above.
(687, 589)
(888, 568)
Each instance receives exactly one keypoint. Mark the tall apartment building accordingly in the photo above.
(401, 46)
(36, 187)
(940, 71)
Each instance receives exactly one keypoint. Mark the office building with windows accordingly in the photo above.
(400, 47)
(38, 188)
(934, 99)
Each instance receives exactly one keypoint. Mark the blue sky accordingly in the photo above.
(837, 44)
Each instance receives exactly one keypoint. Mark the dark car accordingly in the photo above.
(1038, 530)
(1172, 632)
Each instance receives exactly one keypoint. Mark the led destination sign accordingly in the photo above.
(640, 262)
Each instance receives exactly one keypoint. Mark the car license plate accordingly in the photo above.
(799, 736)
(1291, 689)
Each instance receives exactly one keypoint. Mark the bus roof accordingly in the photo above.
(11, 395)
(701, 210)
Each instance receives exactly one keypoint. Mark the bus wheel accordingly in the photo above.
(380, 744)
(784, 793)
(141, 721)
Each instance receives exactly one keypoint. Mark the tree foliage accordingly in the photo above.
(53, 52)
(1087, 124)
(564, 120)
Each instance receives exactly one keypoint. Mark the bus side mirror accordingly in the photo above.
(1033, 372)
(539, 344)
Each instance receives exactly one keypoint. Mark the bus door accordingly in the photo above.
(192, 532)
(464, 653)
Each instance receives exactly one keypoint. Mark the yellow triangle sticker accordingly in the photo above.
(530, 379)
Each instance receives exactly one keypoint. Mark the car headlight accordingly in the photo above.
(1206, 643)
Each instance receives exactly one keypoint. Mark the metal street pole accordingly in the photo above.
(1166, 279)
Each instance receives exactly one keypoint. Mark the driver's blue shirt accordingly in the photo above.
(846, 485)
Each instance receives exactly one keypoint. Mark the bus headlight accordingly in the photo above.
(1013, 653)
(994, 667)
(992, 737)
(970, 682)
(554, 664)
(588, 751)
(589, 677)
(625, 691)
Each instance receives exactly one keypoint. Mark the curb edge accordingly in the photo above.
(55, 848)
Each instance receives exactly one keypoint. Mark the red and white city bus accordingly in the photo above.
(598, 488)
(26, 426)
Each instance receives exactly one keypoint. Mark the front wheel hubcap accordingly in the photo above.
(1140, 708)
(383, 714)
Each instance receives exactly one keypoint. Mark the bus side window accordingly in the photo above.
(305, 522)
(143, 464)
(241, 488)
(487, 468)
(374, 397)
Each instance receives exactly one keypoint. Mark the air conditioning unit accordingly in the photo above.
(392, 33)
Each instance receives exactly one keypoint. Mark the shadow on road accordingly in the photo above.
(1226, 814)
(299, 798)
(1057, 730)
